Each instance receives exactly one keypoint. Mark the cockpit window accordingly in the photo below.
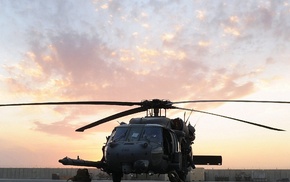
(135, 133)
(120, 134)
(152, 134)
(149, 134)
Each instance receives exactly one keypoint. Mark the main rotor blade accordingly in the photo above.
(236, 119)
(75, 103)
(112, 117)
(245, 101)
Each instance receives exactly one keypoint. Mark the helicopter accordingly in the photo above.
(154, 144)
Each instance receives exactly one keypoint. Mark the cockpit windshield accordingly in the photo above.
(119, 135)
(134, 134)
(147, 133)
(152, 134)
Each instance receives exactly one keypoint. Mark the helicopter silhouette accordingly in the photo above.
(154, 144)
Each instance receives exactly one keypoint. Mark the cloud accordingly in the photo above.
(106, 53)
(61, 128)
(75, 67)
(78, 67)
(75, 117)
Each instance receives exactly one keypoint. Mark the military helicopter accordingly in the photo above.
(154, 144)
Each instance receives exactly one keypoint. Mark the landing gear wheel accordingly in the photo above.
(116, 177)
(173, 176)
(182, 175)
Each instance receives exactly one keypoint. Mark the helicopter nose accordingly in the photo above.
(141, 166)
(145, 145)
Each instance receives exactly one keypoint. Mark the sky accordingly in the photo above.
(135, 50)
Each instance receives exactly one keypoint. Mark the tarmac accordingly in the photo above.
(34, 180)
(199, 174)
(51, 180)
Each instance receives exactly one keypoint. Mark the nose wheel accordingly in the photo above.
(174, 177)
(117, 177)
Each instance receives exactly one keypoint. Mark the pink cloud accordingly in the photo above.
(87, 75)
(76, 65)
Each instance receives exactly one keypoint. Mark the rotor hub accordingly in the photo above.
(156, 104)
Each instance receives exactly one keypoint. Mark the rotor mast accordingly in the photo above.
(154, 107)
(155, 112)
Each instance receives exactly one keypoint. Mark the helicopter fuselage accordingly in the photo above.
(152, 145)
(142, 148)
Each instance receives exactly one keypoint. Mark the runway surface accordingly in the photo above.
(46, 180)
(34, 180)
(53, 180)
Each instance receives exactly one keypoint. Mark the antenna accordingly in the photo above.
(188, 116)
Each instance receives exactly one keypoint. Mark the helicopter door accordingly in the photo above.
(167, 144)
(170, 143)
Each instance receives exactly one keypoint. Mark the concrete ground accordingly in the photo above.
(43, 180)
(32, 180)
(51, 180)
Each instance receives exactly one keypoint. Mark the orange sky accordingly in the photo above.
(136, 50)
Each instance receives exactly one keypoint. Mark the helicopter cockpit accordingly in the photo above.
(148, 133)
(152, 134)
(135, 144)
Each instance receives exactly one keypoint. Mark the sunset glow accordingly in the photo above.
(135, 50)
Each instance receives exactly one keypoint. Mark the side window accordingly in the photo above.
(120, 134)
(112, 136)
